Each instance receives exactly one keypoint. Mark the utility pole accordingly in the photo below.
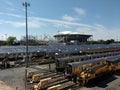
(25, 4)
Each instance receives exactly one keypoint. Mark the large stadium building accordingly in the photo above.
(69, 37)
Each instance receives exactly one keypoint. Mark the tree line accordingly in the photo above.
(109, 41)
(10, 41)
(32, 40)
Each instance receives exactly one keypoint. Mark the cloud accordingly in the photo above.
(13, 15)
(17, 24)
(59, 25)
(80, 11)
(69, 18)
(13, 23)
(54, 21)
(99, 27)
(12, 9)
(99, 32)
(36, 22)
(31, 23)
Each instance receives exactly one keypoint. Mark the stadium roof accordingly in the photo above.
(68, 32)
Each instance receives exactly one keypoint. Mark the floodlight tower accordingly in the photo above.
(25, 4)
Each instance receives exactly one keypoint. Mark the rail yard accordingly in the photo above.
(64, 67)
(59, 45)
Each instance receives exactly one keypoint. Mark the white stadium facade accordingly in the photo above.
(69, 37)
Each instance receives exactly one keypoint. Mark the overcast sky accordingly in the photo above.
(100, 18)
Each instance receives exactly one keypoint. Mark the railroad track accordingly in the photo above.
(41, 61)
(57, 79)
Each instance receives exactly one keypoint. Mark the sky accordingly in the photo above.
(100, 18)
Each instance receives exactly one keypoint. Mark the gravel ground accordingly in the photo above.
(16, 76)
(13, 77)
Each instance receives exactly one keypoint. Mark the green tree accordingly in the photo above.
(10, 40)
(110, 41)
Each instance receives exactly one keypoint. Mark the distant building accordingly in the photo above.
(69, 37)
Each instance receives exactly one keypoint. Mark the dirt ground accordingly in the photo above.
(4, 86)
(15, 77)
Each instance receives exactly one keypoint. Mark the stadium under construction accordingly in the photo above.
(68, 37)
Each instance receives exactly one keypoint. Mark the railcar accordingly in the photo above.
(61, 63)
(100, 50)
(75, 68)
(114, 64)
(92, 72)
(84, 71)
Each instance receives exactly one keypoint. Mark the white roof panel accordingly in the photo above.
(68, 32)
